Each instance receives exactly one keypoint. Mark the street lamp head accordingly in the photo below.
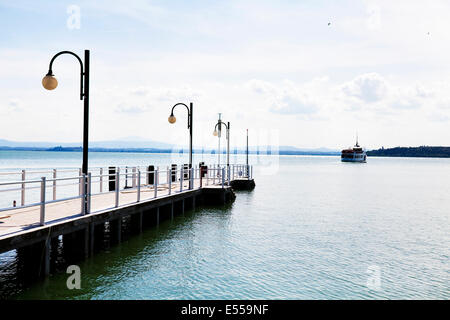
(172, 119)
(215, 133)
(49, 82)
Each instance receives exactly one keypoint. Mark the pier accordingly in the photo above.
(123, 200)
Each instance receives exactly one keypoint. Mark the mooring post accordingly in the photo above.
(42, 218)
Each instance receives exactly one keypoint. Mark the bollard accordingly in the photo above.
(112, 178)
(42, 218)
(150, 175)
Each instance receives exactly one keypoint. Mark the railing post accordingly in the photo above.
(170, 180)
(117, 186)
(181, 179)
(54, 184)
(133, 180)
(138, 185)
(22, 201)
(248, 172)
(233, 173)
(88, 197)
(42, 218)
(191, 178)
(223, 177)
(214, 175)
(101, 180)
(155, 185)
(82, 196)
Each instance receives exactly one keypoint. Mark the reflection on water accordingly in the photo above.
(318, 229)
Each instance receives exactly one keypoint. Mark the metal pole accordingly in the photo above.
(223, 176)
(134, 177)
(228, 151)
(86, 114)
(42, 218)
(23, 188)
(139, 185)
(247, 147)
(101, 180)
(54, 184)
(89, 186)
(191, 105)
(181, 179)
(155, 185)
(83, 193)
(170, 181)
(117, 186)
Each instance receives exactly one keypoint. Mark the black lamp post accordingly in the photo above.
(173, 119)
(49, 82)
(215, 133)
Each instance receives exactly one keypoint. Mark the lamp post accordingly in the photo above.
(216, 133)
(172, 119)
(49, 82)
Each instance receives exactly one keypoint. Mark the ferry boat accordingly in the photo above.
(355, 154)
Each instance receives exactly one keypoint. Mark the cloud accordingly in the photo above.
(369, 87)
(132, 108)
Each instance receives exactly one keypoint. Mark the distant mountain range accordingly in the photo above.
(134, 144)
(422, 152)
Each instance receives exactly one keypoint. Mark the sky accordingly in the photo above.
(307, 74)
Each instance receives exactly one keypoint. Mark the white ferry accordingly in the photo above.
(355, 154)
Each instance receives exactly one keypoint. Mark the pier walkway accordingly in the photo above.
(99, 203)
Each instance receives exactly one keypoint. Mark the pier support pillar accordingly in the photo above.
(182, 206)
(157, 216)
(171, 211)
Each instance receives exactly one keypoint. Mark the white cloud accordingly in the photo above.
(369, 87)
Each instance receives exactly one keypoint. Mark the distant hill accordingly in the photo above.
(422, 152)
(136, 144)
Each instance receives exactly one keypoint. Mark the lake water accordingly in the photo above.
(313, 228)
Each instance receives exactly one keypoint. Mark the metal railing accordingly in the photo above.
(44, 191)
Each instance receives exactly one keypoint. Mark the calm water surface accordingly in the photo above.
(313, 228)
